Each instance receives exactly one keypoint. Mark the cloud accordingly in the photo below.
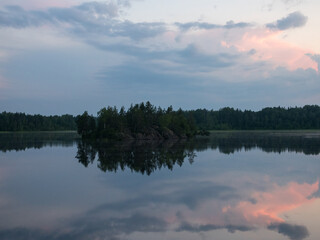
(269, 205)
(86, 14)
(40, 4)
(207, 26)
(294, 232)
(178, 61)
(83, 228)
(88, 18)
(315, 58)
(192, 195)
(185, 226)
(17, 17)
(193, 57)
(293, 20)
(292, 3)
(270, 49)
(22, 234)
(156, 58)
(172, 78)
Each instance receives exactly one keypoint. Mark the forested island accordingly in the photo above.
(141, 122)
(145, 121)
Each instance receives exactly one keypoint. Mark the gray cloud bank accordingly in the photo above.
(188, 75)
(293, 20)
(207, 26)
(84, 229)
(185, 226)
(97, 17)
(103, 18)
(91, 17)
(294, 232)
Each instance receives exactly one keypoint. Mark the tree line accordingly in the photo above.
(276, 118)
(27, 122)
(141, 118)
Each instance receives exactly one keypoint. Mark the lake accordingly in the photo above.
(231, 185)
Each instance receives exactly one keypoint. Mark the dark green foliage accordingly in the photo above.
(143, 118)
(86, 125)
(25, 122)
(151, 122)
(276, 118)
(140, 121)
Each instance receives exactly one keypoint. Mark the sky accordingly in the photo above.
(68, 56)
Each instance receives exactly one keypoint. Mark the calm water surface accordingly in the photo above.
(228, 186)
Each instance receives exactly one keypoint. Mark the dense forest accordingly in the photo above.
(141, 118)
(141, 121)
(276, 118)
(26, 122)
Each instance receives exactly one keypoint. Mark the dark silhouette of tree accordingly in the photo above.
(140, 121)
(276, 118)
(86, 124)
(26, 122)
(143, 118)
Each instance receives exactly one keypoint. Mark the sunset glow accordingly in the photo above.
(270, 205)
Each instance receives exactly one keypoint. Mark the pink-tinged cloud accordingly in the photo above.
(269, 46)
(258, 44)
(268, 206)
(261, 210)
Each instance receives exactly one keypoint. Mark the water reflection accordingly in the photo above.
(142, 157)
(146, 157)
(229, 192)
(225, 142)
(230, 142)
(37, 140)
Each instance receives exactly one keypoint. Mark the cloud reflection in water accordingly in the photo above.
(206, 198)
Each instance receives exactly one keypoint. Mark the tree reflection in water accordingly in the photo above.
(148, 156)
(141, 157)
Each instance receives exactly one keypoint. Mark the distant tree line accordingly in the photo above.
(276, 118)
(140, 121)
(145, 120)
(26, 122)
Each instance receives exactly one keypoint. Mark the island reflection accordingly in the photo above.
(141, 157)
(146, 157)
(225, 142)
